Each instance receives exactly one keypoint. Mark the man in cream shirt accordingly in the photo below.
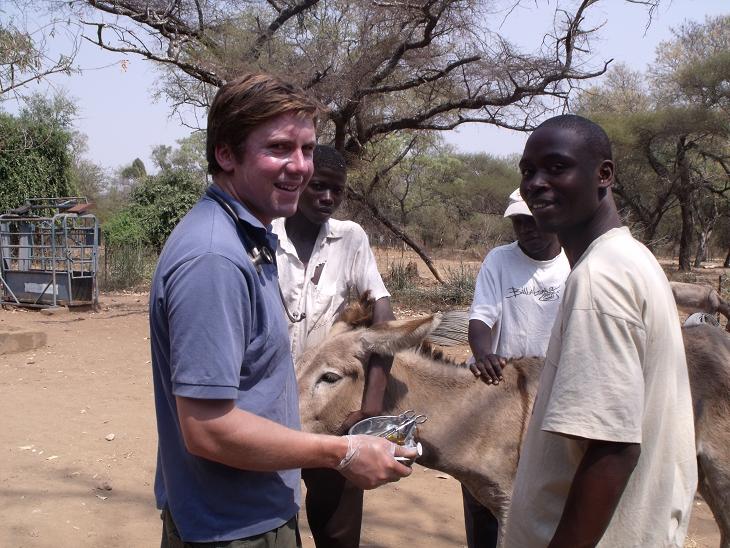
(609, 456)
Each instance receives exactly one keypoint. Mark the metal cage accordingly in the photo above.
(49, 250)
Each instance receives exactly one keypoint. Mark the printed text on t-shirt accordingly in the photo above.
(551, 293)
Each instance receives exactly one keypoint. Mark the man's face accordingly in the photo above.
(323, 195)
(276, 164)
(560, 179)
(532, 241)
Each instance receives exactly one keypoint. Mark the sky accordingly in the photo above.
(123, 121)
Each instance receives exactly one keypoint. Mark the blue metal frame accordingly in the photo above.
(49, 261)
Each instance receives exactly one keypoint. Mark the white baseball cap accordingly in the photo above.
(517, 205)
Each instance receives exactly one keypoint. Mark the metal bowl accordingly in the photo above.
(382, 425)
(399, 429)
(375, 426)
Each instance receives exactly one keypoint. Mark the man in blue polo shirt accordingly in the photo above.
(225, 391)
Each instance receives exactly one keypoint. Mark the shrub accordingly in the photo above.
(158, 202)
(123, 229)
(458, 286)
(456, 291)
(401, 276)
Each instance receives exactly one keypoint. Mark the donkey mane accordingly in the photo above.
(428, 351)
(359, 313)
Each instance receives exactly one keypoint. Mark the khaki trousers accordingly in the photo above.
(286, 536)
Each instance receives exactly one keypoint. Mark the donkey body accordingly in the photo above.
(474, 431)
(701, 298)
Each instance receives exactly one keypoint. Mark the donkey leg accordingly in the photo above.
(714, 487)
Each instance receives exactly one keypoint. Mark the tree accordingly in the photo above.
(692, 72)
(25, 55)
(35, 151)
(381, 177)
(429, 195)
(188, 156)
(380, 67)
(135, 171)
(156, 205)
(87, 177)
(623, 106)
(672, 144)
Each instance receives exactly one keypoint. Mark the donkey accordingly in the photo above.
(474, 431)
(702, 298)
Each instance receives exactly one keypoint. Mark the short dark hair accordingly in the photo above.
(246, 102)
(329, 157)
(594, 135)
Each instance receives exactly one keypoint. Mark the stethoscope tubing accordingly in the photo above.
(258, 253)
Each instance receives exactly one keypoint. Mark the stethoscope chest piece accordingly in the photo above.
(259, 253)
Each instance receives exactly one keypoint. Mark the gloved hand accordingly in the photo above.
(370, 461)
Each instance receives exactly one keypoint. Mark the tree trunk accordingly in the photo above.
(398, 232)
(726, 264)
(701, 254)
(685, 204)
(685, 238)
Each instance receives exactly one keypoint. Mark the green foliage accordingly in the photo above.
(124, 228)
(136, 170)
(440, 198)
(25, 53)
(707, 81)
(144, 209)
(35, 152)
(157, 203)
(671, 138)
(88, 179)
(188, 156)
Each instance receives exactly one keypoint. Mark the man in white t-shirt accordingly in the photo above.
(609, 456)
(321, 263)
(516, 299)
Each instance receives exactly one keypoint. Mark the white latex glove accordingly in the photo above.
(370, 461)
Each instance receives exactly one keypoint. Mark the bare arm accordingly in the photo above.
(217, 430)
(379, 365)
(376, 377)
(488, 366)
(597, 487)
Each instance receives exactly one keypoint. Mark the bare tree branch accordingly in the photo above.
(188, 68)
(284, 16)
(25, 56)
(390, 225)
(379, 174)
(421, 79)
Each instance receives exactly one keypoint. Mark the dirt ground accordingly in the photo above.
(78, 445)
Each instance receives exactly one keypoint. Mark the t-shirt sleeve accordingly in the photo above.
(367, 277)
(598, 390)
(487, 303)
(209, 329)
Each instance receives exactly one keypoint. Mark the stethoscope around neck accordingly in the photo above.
(258, 252)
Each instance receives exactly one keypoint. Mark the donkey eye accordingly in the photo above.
(330, 377)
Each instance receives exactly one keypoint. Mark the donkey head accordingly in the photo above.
(331, 376)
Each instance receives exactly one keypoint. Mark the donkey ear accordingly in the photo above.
(390, 337)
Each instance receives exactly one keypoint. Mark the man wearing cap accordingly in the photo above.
(516, 300)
